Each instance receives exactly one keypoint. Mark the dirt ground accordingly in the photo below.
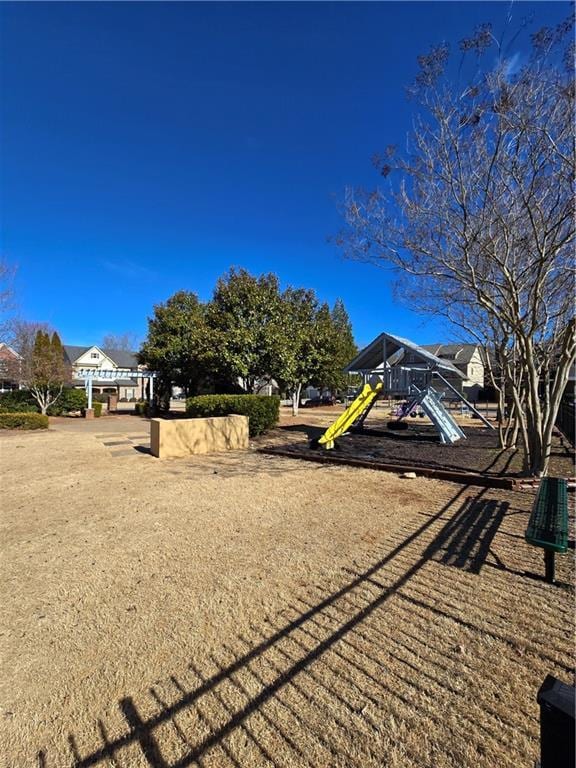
(249, 610)
(417, 446)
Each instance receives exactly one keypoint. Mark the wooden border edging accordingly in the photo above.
(466, 478)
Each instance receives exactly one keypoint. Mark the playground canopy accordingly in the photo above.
(397, 351)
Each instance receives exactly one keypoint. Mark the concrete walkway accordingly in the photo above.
(120, 434)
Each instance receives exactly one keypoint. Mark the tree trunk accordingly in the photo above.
(296, 399)
(500, 417)
(512, 424)
(554, 398)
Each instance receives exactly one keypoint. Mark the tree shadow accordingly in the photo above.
(325, 652)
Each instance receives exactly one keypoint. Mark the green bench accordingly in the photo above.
(548, 524)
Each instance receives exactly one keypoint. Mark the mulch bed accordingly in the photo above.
(419, 449)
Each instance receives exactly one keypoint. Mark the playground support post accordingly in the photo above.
(463, 399)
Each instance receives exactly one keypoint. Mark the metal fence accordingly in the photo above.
(565, 419)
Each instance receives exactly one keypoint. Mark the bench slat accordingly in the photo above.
(548, 524)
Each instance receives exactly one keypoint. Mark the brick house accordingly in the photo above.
(10, 369)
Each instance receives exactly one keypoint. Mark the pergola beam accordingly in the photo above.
(88, 375)
(113, 373)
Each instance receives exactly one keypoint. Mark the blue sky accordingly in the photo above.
(148, 147)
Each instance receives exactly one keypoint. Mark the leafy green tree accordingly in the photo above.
(179, 346)
(249, 331)
(335, 333)
(240, 315)
(299, 338)
(44, 369)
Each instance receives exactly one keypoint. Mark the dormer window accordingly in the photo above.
(94, 355)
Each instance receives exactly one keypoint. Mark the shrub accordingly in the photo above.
(18, 401)
(25, 420)
(71, 400)
(21, 401)
(99, 397)
(262, 410)
(97, 409)
(141, 407)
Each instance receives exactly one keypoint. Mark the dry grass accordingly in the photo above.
(247, 610)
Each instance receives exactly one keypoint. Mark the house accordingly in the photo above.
(468, 359)
(107, 361)
(10, 369)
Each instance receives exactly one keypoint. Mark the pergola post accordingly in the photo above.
(89, 381)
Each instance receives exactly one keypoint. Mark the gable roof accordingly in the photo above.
(7, 352)
(372, 356)
(120, 357)
(72, 353)
(463, 353)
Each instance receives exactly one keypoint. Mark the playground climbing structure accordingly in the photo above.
(397, 367)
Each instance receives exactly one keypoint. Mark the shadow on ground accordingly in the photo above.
(349, 666)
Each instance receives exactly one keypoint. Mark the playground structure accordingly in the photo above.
(395, 367)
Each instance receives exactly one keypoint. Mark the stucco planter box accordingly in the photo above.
(170, 439)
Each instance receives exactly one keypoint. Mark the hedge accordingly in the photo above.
(97, 409)
(262, 410)
(23, 421)
(21, 401)
(18, 401)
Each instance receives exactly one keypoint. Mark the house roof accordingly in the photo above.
(73, 353)
(120, 357)
(463, 353)
(372, 356)
(6, 352)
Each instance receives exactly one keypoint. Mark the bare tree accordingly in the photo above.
(481, 221)
(20, 336)
(23, 334)
(127, 342)
(46, 370)
(42, 366)
(6, 300)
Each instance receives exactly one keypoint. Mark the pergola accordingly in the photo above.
(88, 375)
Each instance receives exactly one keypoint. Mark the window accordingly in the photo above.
(94, 355)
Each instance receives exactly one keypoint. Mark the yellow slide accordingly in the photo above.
(354, 411)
